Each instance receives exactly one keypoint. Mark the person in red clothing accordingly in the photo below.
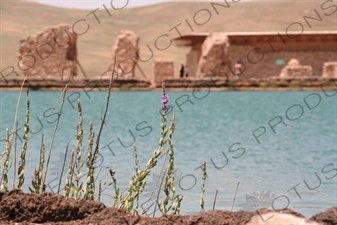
(237, 69)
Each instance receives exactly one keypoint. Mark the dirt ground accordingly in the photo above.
(17, 207)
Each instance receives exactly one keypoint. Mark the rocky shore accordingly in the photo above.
(17, 207)
(195, 84)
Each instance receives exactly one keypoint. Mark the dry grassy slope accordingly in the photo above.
(20, 19)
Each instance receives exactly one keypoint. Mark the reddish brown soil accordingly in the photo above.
(18, 207)
(327, 217)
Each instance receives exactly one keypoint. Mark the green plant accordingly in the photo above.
(63, 165)
(91, 181)
(22, 161)
(54, 133)
(6, 154)
(203, 186)
(138, 180)
(78, 162)
(89, 190)
(135, 155)
(69, 183)
(116, 194)
(37, 177)
(73, 187)
(172, 199)
(15, 147)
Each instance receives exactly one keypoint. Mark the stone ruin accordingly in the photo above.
(162, 69)
(214, 56)
(295, 69)
(125, 50)
(330, 69)
(49, 53)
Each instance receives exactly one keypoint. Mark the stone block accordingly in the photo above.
(299, 71)
(163, 69)
(295, 69)
(329, 69)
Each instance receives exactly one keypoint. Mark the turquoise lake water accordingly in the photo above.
(285, 142)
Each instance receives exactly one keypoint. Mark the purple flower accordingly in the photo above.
(165, 98)
(165, 107)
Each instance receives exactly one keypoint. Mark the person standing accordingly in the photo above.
(182, 70)
(186, 71)
(237, 69)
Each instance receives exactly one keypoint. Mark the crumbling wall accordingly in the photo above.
(192, 59)
(125, 51)
(51, 52)
(214, 56)
(262, 64)
(330, 69)
(295, 69)
(163, 69)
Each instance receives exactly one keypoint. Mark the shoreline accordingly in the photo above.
(187, 89)
(18, 207)
(173, 84)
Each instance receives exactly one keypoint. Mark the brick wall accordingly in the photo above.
(262, 64)
(163, 69)
(192, 59)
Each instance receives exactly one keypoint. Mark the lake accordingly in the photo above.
(280, 146)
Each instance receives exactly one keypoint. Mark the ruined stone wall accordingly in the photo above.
(295, 69)
(162, 69)
(125, 52)
(259, 67)
(192, 59)
(49, 52)
(330, 69)
(214, 55)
